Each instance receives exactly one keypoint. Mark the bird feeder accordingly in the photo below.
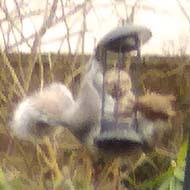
(117, 131)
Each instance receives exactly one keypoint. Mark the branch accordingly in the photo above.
(46, 25)
(67, 27)
(12, 23)
(23, 16)
(38, 36)
(183, 11)
(54, 23)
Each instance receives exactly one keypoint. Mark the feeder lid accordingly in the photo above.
(122, 39)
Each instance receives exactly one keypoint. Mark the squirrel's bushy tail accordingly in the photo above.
(39, 113)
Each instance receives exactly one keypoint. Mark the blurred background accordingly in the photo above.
(52, 40)
(77, 26)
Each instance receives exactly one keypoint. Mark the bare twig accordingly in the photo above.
(19, 17)
(67, 26)
(54, 23)
(11, 21)
(46, 25)
(19, 12)
(131, 17)
(23, 15)
(115, 10)
(184, 12)
(10, 27)
(84, 27)
(19, 42)
(3, 35)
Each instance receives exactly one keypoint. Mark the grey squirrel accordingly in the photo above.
(40, 113)
(152, 105)
(153, 110)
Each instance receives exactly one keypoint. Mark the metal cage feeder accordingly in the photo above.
(117, 133)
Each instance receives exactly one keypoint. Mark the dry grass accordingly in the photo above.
(60, 161)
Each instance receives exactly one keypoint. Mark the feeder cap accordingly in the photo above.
(122, 39)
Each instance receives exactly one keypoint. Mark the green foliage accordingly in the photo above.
(8, 181)
(173, 177)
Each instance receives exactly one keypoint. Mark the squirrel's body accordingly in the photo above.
(37, 113)
(118, 83)
(53, 106)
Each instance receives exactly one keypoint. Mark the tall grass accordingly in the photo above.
(60, 161)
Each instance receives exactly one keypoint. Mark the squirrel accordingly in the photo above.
(152, 110)
(40, 113)
(118, 84)
(152, 105)
(156, 106)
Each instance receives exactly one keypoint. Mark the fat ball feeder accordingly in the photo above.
(116, 134)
